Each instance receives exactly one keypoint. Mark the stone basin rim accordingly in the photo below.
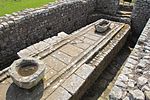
(25, 79)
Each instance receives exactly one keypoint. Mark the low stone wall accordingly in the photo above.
(107, 6)
(24, 28)
(134, 83)
(140, 16)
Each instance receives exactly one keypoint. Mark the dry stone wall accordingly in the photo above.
(22, 29)
(30, 26)
(107, 6)
(140, 16)
(134, 83)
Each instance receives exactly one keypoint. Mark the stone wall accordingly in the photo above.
(134, 83)
(140, 15)
(24, 28)
(30, 26)
(107, 6)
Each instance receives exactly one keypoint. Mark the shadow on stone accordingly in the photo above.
(16, 93)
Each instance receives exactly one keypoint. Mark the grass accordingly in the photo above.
(10, 6)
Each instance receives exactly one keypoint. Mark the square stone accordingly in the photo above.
(54, 63)
(49, 41)
(41, 46)
(24, 53)
(92, 37)
(86, 40)
(85, 71)
(50, 74)
(132, 61)
(62, 57)
(73, 83)
(80, 44)
(71, 50)
(32, 49)
(59, 94)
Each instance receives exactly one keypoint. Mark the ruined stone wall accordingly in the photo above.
(107, 6)
(22, 29)
(140, 16)
(30, 26)
(133, 82)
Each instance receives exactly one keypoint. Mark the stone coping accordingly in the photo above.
(134, 81)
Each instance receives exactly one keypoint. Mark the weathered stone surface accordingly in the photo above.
(62, 57)
(30, 79)
(108, 6)
(116, 93)
(120, 84)
(84, 71)
(71, 50)
(142, 80)
(73, 83)
(140, 16)
(54, 63)
(147, 94)
(137, 94)
(59, 94)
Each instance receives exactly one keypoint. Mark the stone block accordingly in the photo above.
(84, 71)
(73, 83)
(59, 94)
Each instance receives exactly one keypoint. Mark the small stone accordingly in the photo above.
(120, 84)
(145, 88)
(123, 77)
(131, 83)
(126, 98)
(142, 64)
(116, 93)
(147, 94)
(126, 71)
(137, 94)
(142, 80)
(138, 70)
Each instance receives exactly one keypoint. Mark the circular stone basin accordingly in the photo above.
(102, 26)
(27, 72)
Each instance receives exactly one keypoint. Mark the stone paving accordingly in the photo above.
(134, 83)
(71, 68)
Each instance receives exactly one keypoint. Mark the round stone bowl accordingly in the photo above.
(27, 72)
(102, 26)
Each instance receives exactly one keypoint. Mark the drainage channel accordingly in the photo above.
(101, 88)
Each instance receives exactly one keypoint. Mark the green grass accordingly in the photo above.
(10, 6)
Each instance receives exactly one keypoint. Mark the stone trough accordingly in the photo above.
(27, 72)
